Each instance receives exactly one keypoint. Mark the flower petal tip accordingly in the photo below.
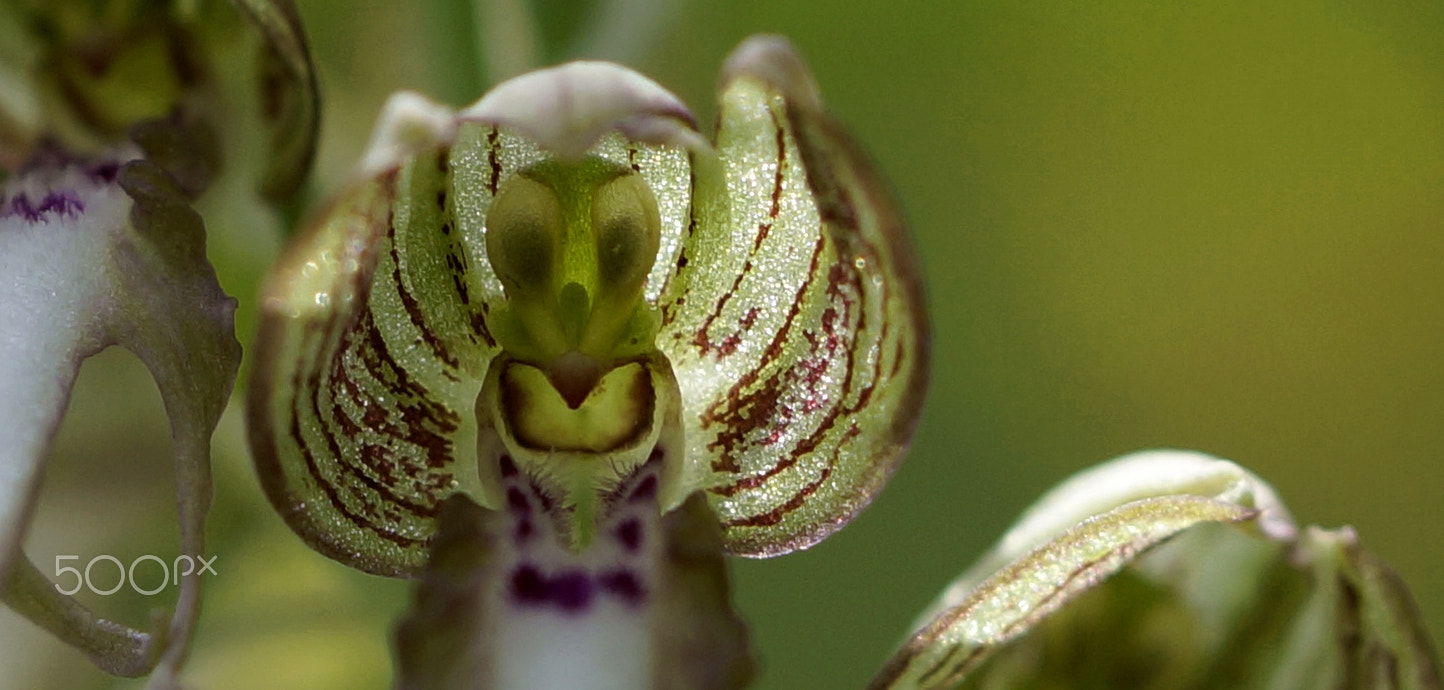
(566, 109)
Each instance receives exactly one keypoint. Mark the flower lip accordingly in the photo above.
(53, 186)
(59, 203)
(566, 109)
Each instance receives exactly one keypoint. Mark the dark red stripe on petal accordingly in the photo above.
(413, 308)
(779, 513)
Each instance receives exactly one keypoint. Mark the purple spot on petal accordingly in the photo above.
(516, 501)
(508, 468)
(528, 586)
(629, 533)
(569, 591)
(572, 591)
(624, 584)
(524, 530)
(104, 172)
(62, 203)
(645, 490)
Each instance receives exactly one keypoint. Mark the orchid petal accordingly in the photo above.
(795, 317)
(689, 635)
(1083, 592)
(97, 255)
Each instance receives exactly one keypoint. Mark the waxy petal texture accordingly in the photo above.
(795, 319)
(1084, 592)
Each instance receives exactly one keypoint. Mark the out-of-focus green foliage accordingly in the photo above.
(1217, 226)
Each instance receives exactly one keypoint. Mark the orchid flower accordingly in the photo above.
(556, 354)
(562, 334)
(108, 132)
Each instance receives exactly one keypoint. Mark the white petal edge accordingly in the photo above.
(566, 109)
(1125, 479)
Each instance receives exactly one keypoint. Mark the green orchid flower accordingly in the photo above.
(109, 132)
(558, 338)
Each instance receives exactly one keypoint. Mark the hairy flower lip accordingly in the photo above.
(41, 192)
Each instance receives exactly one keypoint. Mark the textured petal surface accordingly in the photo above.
(788, 293)
(795, 319)
(1082, 593)
(1016, 598)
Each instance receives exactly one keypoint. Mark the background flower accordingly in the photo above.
(1141, 224)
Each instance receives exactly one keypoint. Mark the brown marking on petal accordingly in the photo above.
(327, 487)
(806, 375)
(777, 514)
(410, 427)
(493, 142)
(945, 663)
(379, 364)
(736, 413)
(702, 341)
(781, 159)
(479, 327)
(412, 307)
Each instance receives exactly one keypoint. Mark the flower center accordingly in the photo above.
(572, 244)
(580, 397)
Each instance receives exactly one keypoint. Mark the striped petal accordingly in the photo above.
(1084, 592)
(794, 320)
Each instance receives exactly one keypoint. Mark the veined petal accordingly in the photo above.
(1083, 593)
(788, 295)
(795, 318)
(1099, 489)
(93, 255)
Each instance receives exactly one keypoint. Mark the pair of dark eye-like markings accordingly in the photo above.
(782, 291)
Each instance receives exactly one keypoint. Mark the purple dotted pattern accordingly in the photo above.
(573, 590)
(55, 203)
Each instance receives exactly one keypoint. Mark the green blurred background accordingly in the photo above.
(1207, 225)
